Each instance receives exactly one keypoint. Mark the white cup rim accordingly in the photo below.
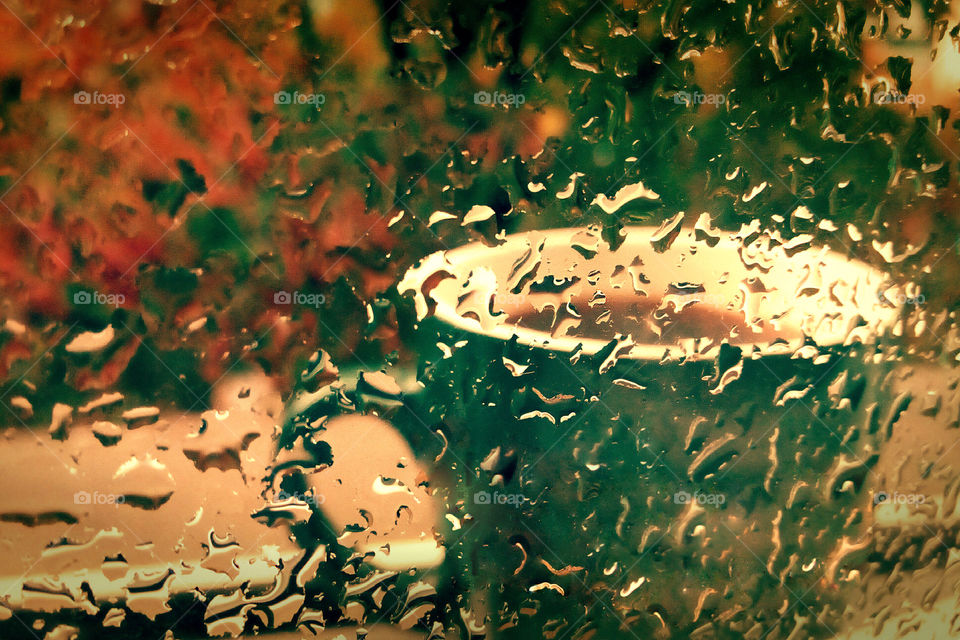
(836, 323)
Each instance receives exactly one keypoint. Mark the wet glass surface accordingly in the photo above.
(458, 320)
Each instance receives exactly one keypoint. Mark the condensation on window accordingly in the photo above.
(412, 319)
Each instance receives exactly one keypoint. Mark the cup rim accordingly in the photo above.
(880, 318)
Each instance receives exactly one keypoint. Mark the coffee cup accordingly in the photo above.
(681, 421)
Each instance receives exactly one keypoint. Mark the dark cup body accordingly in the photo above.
(664, 497)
